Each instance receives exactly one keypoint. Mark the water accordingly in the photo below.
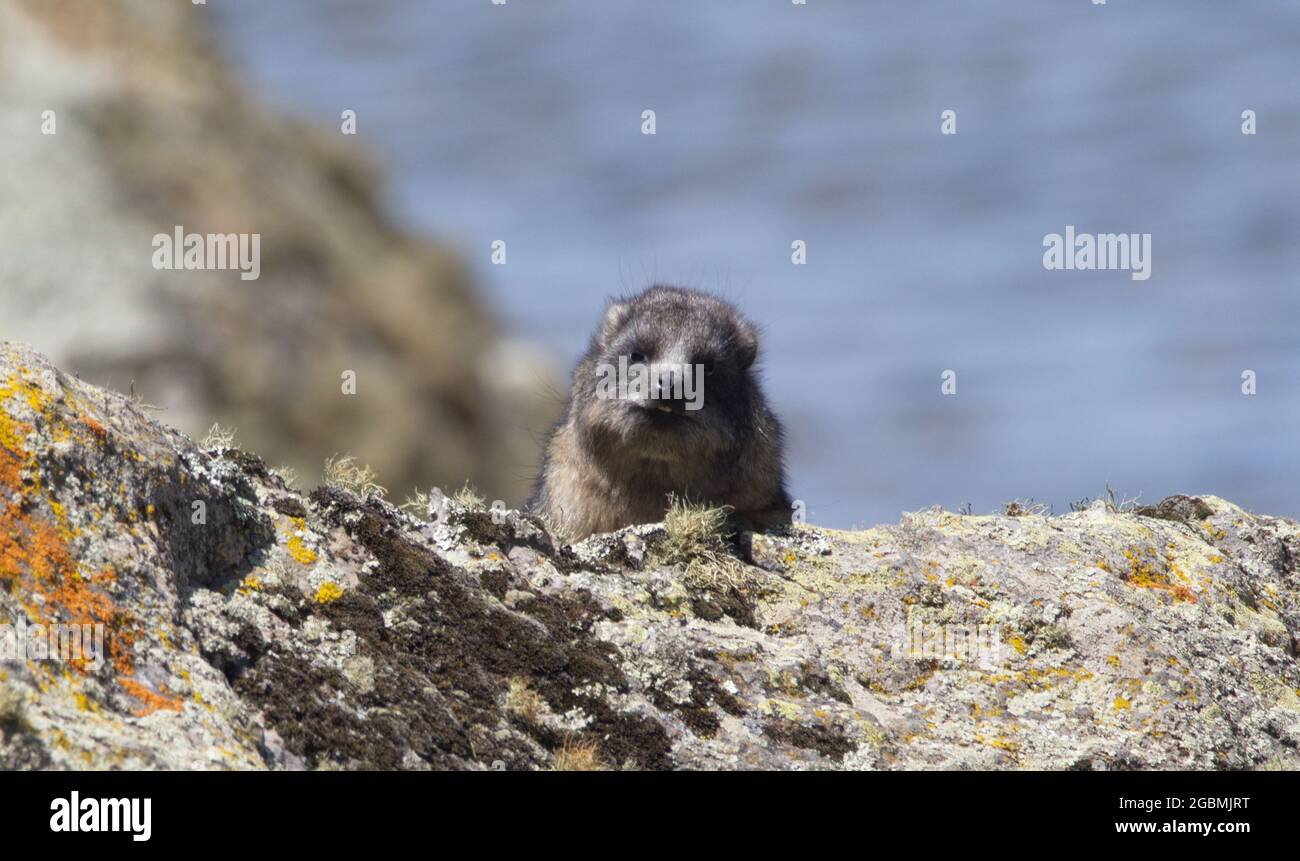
(778, 122)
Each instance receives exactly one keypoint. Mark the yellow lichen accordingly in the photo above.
(298, 549)
(328, 593)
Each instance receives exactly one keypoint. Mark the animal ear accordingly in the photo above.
(615, 316)
(746, 344)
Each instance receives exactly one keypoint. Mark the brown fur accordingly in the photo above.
(614, 462)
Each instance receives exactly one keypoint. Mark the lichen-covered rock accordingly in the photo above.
(278, 630)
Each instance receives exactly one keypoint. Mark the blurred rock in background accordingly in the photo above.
(153, 131)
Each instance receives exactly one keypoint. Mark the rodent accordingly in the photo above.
(612, 462)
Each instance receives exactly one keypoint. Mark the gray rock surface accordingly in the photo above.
(335, 631)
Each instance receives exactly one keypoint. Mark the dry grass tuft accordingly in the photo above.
(218, 438)
(345, 473)
(287, 474)
(1116, 503)
(469, 498)
(697, 538)
(417, 504)
(578, 756)
(1026, 508)
(523, 702)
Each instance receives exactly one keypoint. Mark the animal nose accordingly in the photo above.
(669, 389)
(662, 387)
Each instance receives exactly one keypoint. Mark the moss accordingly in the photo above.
(829, 741)
(815, 679)
(450, 660)
(1055, 636)
(13, 718)
(697, 712)
(290, 507)
(20, 746)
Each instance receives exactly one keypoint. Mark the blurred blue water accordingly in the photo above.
(821, 122)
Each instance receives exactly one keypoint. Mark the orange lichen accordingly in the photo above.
(1145, 572)
(95, 428)
(150, 701)
(37, 562)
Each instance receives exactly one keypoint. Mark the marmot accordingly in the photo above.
(617, 455)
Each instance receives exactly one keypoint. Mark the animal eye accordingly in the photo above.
(637, 357)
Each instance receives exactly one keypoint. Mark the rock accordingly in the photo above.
(333, 631)
(153, 130)
(1186, 509)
